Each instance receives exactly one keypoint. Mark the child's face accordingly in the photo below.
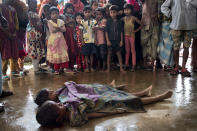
(87, 14)
(54, 15)
(69, 10)
(113, 14)
(99, 15)
(127, 11)
(52, 96)
(79, 19)
(94, 6)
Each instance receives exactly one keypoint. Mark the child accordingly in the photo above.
(57, 48)
(88, 48)
(114, 37)
(100, 40)
(95, 100)
(34, 37)
(129, 32)
(94, 6)
(69, 20)
(78, 5)
(79, 38)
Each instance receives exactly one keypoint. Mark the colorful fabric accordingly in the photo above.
(11, 62)
(21, 34)
(78, 5)
(35, 46)
(62, 66)
(9, 47)
(77, 36)
(129, 27)
(57, 47)
(86, 98)
(180, 36)
(165, 46)
(88, 34)
(149, 41)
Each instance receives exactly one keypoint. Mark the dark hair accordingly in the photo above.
(102, 10)
(42, 96)
(47, 114)
(87, 8)
(46, 6)
(54, 8)
(128, 6)
(114, 7)
(79, 14)
(92, 2)
(68, 5)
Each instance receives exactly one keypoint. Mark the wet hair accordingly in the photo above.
(128, 6)
(54, 8)
(42, 96)
(78, 14)
(113, 7)
(46, 114)
(102, 10)
(68, 5)
(92, 2)
(87, 8)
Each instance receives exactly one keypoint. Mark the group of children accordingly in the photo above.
(88, 39)
(89, 35)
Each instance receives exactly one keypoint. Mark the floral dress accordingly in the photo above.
(35, 46)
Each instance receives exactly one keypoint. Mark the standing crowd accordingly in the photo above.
(90, 34)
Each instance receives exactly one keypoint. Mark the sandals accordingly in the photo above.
(6, 93)
(185, 72)
(174, 72)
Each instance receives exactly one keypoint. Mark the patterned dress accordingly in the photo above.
(35, 46)
(81, 99)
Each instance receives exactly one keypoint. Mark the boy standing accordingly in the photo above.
(114, 37)
(88, 48)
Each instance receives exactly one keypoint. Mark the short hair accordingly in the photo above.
(46, 114)
(92, 2)
(113, 7)
(102, 10)
(79, 14)
(42, 96)
(54, 8)
(87, 8)
(68, 5)
(128, 6)
(46, 6)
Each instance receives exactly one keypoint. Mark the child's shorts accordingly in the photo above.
(102, 52)
(88, 49)
(115, 46)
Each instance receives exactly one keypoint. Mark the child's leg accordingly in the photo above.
(86, 64)
(13, 65)
(91, 62)
(127, 49)
(4, 66)
(109, 60)
(132, 42)
(120, 60)
(145, 92)
(103, 55)
(157, 98)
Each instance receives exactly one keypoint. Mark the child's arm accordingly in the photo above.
(139, 22)
(53, 29)
(121, 41)
(62, 28)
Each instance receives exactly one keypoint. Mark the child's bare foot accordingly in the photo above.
(86, 70)
(123, 71)
(167, 94)
(149, 90)
(112, 83)
(120, 87)
(92, 70)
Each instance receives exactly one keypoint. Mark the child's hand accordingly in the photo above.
(121, 43)
(108, 43)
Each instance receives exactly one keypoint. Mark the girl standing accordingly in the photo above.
(34, 36)
(57, 47)
(129, 28)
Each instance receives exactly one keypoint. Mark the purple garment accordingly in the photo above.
(73, 94)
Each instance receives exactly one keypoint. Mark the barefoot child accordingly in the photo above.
(57, 47)
(114, 37)
(100, 39)
(129, 34)
(88, 48)
(90, 101)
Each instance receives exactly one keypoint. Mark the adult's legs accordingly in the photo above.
(109, 60)
(185, 57)
(150, 100)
